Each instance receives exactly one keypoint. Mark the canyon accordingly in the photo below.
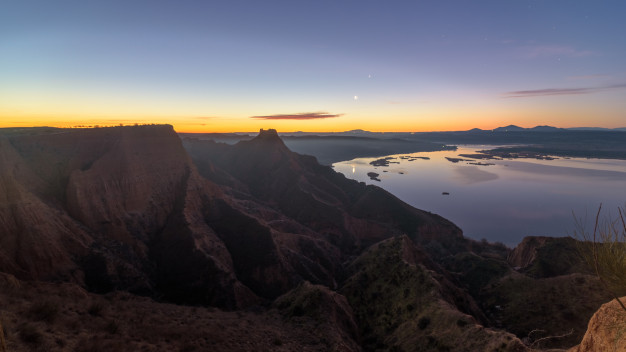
(132, 238)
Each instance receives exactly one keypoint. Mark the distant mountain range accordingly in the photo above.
(545, 128)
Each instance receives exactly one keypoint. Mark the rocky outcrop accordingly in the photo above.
(343, 212)
(125, 208)
(402, 304)
(542, 257)
(37, 238)
(526, 251)
(349, 265)
(606, 330)
(113, 209)
(328, 311)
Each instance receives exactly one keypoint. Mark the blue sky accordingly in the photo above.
(378, 65)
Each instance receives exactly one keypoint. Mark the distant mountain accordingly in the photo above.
(588, 129)
(509, 128)
(514, 128)
(620, 129)
(545, 129)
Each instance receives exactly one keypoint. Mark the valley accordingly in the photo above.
(130, 238)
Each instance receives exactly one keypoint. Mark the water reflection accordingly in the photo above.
(472, 174)
(504, 201)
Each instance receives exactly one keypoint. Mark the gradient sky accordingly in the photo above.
(218, 66)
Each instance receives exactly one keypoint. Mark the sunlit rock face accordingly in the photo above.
(606, 330)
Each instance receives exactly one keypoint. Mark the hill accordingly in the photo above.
(101, 229)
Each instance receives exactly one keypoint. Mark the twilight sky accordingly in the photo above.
(218, 66)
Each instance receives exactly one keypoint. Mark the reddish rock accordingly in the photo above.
(606, 330)
(525, 252)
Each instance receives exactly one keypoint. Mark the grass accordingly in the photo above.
(607, 252)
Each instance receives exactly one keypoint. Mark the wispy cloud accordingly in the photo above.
(561, 91)
(300, 116)
(539, 51)
(590, 77)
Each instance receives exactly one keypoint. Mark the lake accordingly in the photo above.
(503, 202)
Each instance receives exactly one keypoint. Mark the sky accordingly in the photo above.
(238, 66)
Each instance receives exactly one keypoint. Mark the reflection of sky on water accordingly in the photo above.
(472, 174)
(506, 201)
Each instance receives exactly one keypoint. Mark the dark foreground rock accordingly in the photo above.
(126, 238)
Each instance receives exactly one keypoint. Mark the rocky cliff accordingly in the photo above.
(255, 226)
(346, 213)
(112, 208)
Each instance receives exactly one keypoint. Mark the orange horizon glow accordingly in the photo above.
(399, 121)
(185, 128)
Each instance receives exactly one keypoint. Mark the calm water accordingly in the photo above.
(503, 202)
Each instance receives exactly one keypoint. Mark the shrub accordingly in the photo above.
(605, 251)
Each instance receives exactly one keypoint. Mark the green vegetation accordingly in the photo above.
(607, 252)
(521, 304)
(402, 304)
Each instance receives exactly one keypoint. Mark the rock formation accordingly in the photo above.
(255, 226)
(98, 207)
(606, 330)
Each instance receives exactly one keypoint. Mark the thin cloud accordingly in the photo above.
(300, 116)
(561, 91)
(539, 51)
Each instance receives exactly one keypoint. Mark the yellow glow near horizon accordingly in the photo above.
(385, 118)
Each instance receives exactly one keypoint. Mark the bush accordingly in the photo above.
(605, 252)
